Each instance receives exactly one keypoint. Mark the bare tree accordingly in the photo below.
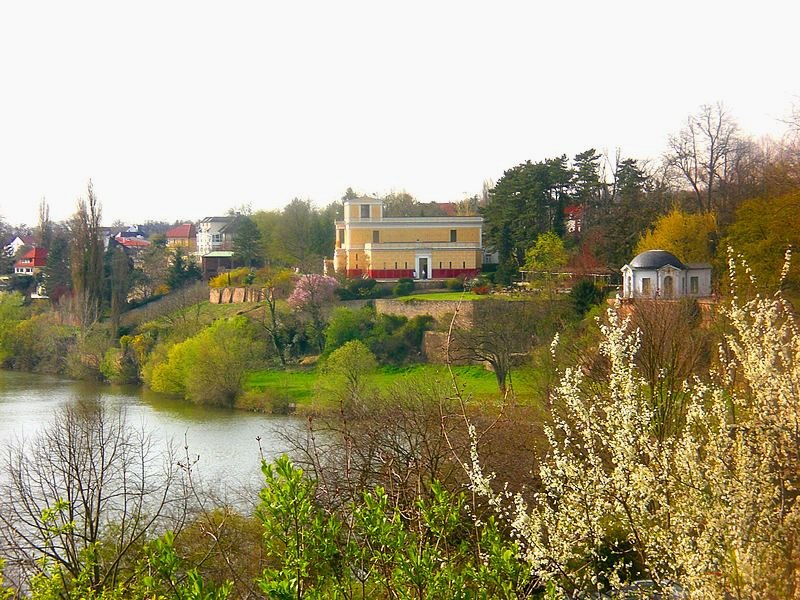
(703, 154)
(502, 332)
(86, 259)
(401, 439)
(45, 227)
(674, 347)
(78, 500)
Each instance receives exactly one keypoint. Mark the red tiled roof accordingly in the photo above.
(37, 257)
(132, 242)
(185, 230)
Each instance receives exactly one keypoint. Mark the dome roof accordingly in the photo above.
(655, 259)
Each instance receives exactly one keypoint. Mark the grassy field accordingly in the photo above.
(299, 386)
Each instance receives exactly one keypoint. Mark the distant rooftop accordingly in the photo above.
(184, 230)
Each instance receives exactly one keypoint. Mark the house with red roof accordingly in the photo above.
(32, 262)
(573, 218)
(183, 236)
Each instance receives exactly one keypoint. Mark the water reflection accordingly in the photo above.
(224, 440)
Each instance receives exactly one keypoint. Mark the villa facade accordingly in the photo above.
(369, 244)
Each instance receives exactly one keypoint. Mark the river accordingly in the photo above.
(225, 440)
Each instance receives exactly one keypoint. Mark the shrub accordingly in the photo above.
(584, 295)
(119, 365)
(456, 284)
(353, 289)
(378, 548)
(12, 312)
(403, 287)
(234, 278)
(345, 369)
(39, 344)
(345, 325)
(209, 368)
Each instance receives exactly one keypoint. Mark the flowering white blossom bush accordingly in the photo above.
(713, 507)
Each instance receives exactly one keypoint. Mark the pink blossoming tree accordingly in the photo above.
(311, 294)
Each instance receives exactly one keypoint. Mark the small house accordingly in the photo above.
(32, 262)
(660, 274)
(183, 236)
(216, 234)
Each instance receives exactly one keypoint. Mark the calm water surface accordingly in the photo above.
(225, 440)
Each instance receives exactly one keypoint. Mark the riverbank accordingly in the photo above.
(226, 444)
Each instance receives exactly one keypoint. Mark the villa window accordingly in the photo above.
(453, 235)
(694, 285)
(365, 211)
(216, 238)
(376, 237)
(464, 265)
(395, 265)
(341, 236)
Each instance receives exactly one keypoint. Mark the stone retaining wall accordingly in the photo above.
(438, 309)
(434, 349)
(236, 295)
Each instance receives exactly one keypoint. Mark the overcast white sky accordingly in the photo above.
(185, 109)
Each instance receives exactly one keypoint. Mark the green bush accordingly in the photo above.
(456, 284)
(210, 367)
(41, 344)
(380, 550)
(403, 287)
(12, 313)
(119, 364)
(393, 339)
(584, 295)
(346, 324)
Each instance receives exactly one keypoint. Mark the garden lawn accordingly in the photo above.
(299, 386)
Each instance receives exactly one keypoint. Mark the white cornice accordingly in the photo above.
(412, 223)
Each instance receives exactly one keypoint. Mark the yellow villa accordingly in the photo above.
(369, 244)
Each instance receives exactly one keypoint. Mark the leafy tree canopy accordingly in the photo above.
(247, 247)
(762, 232)
(528, 200)
(689, 236)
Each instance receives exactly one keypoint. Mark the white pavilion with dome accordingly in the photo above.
(660, 274)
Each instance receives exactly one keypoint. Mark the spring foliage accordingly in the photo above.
(689, 236)
(713, 507)
(210, 367)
